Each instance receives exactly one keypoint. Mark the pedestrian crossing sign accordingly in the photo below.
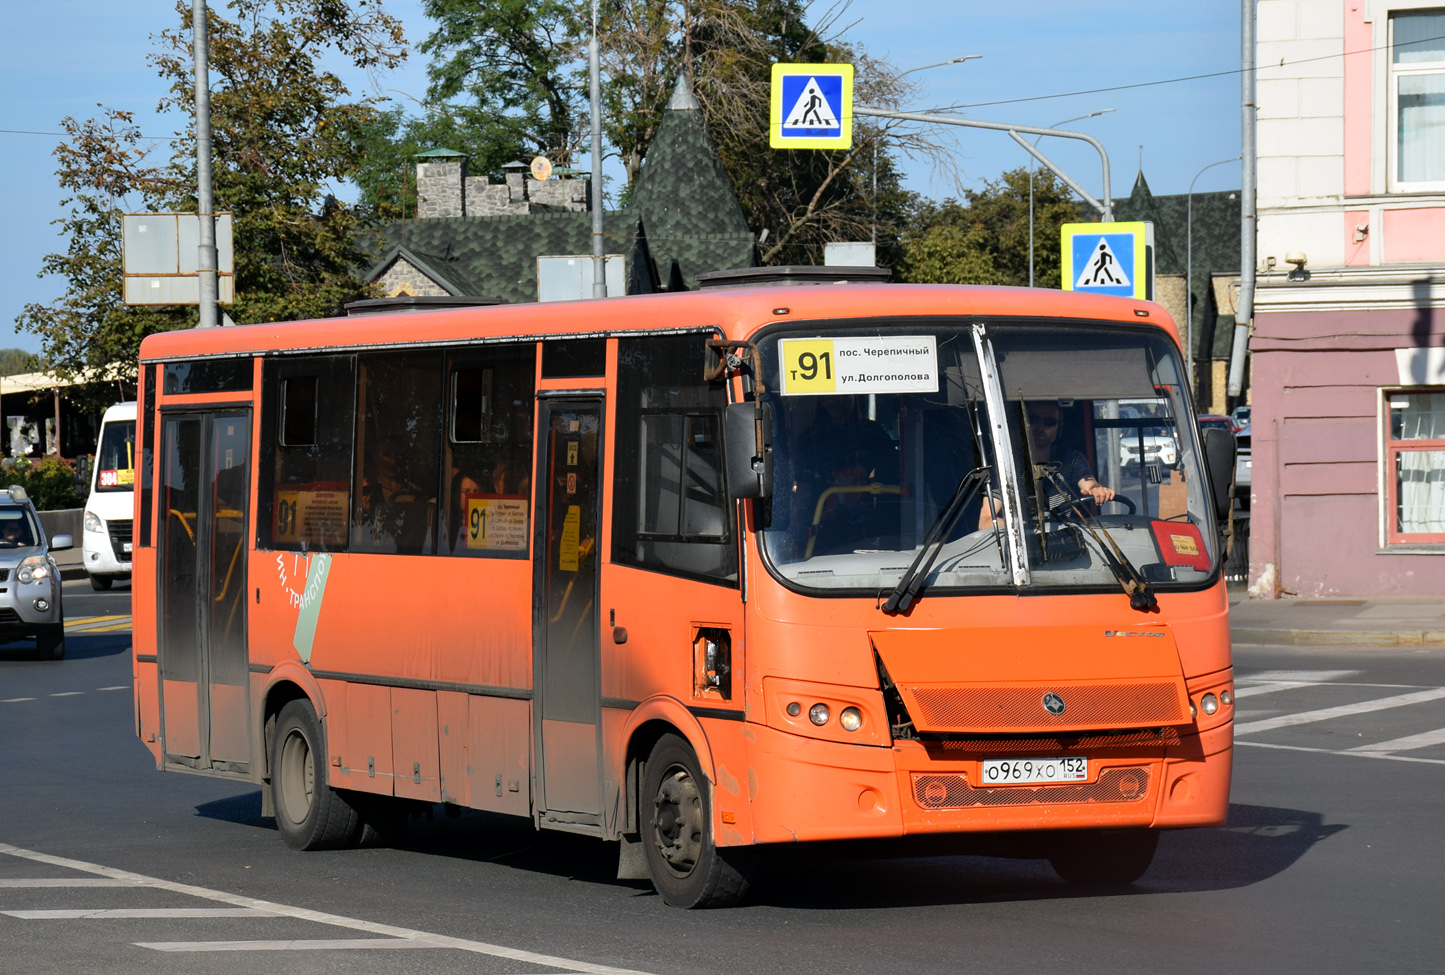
(812, 106)
(1109, 259)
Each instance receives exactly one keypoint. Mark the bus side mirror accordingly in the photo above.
(748, 433)
(1219, 453)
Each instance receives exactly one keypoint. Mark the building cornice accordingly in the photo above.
(1353, 289)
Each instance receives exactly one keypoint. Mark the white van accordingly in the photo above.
(111, 506)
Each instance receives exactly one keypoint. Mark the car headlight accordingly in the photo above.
(93, 523)
(33, 569)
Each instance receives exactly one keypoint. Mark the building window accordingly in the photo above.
(1417, 99)
(1415, 466)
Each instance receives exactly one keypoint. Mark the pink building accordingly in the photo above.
(1348, 349)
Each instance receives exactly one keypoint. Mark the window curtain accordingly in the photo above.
(1421, 491)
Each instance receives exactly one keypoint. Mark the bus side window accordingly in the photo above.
(670, 507)
(488, 466)
(398, 437)
(305, 468)
(147, 448)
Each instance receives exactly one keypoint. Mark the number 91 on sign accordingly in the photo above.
(845, 366)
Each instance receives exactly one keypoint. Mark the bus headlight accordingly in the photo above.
(1209, 703)
(93, 523)
(819, 714)
(33, 569)
(851, 719)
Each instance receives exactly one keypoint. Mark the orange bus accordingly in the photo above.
(695, 573)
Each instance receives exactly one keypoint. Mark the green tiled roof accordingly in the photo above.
(1216, 248)
(683, 205)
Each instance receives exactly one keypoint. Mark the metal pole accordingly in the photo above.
(1076, 118)
(1189, 277)
(1244, 315)
(206, 253)
(599, 261)
(1106, 208)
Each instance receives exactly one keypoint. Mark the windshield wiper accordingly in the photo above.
(1141, 596)
(911, 582)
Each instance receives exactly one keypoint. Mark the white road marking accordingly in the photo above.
(1344, 710)
(9, 883)
(1254, 690)
(1352, 754)
(1306, 676)
(1410, 742)
(301, 913)
(72, 914)
(16, 700)
(118, 687)
(309, 945)
(68, 694)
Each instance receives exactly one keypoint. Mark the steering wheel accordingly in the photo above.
(1120, 499)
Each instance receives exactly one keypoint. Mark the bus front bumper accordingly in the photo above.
(804, 789)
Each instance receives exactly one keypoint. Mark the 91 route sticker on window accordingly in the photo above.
(844, 366)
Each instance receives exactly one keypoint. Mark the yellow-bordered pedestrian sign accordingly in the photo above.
(812, 107)
(1109, 259)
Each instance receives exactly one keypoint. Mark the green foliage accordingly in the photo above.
(986, 240)
(15, 361)
(50, 482)
(282, 131)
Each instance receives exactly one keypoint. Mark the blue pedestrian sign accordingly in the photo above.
(812, 106)
(1109, 259)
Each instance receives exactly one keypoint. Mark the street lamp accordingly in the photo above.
(1189, 275)
(921, 67)
(1031, 186)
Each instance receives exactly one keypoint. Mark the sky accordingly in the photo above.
(69, 56)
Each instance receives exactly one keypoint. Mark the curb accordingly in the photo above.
(1338, 638)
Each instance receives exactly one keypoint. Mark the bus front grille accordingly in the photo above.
(1087, 707)
(120, 535)
(952, 790)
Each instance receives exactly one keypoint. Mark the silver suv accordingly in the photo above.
(29, 579)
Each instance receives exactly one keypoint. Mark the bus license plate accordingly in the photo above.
(1031, 771)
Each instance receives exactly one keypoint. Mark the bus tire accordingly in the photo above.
(50, 642)
(1113, 859)
(685, 864)
(101, 583)
(310, 815)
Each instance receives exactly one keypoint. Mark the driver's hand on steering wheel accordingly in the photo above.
(1100, 494)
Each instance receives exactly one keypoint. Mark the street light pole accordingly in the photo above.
(599, 259)
(206, 217)
(921, 67)
(1189, 276)
(1031, 186)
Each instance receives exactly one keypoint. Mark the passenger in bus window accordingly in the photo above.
(510, 477)
(840, 453)
(1046, 423)
(464, 488)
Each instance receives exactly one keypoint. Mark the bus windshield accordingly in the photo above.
(115, 457)
(1108, 474)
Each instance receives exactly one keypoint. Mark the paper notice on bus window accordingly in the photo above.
(314, 516)
(496, 524)
(847, 366)
(570, 542)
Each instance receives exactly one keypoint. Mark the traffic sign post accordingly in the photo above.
(1109, 259)
(812, 106)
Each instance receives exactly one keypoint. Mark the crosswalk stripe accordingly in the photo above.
(321, 917)
(1255, 690)
(1306, 676)
(1409, 743)
(134, 912)
(1347, 754)
(11, 883)
(318, 944)
(1342, 711)
(16, 700)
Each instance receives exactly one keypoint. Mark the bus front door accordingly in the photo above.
(567, 680)
(204, 488)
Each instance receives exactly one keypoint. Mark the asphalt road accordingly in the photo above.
(1331, 862)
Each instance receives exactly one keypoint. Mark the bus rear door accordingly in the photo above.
(204, 490)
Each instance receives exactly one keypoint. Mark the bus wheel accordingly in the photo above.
(310, 815)
(1105, 859)
(686, 866)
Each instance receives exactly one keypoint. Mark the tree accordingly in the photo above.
(986, 240)
(282, 131)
